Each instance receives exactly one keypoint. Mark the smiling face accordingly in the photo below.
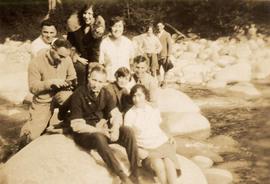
(160, 27)
(122, 82)
(117, 29)
(48, 33)
(139, 98)
(150, 31)
(96, 80)
(140, 69)
(88, 16)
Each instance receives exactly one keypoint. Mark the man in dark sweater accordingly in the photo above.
(96, 122)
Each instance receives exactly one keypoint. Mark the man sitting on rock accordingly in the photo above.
(96, 122)
(48, 34)
(51, 77)
(142, 76)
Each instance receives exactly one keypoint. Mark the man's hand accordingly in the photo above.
(114, 136)
(172, 141)
(62, 96)
(102, 124)
(58, 83)
(76, 58)
(104, 131)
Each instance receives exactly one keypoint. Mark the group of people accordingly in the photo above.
(105, 94)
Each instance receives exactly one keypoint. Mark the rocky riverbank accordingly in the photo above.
(237, 106)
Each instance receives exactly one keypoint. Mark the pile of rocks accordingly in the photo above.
(222, 62)
(14, 59)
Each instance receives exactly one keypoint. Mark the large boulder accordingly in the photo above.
(195, 73)
(246, 88)
(240, 72)
(172, 100)
(202, 161)
(261, 68)
(54, 159)
(14, 86)
(14, 61)
(192, 125)
(190, 148)
(220, 176)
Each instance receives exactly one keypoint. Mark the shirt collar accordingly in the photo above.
(50, 59)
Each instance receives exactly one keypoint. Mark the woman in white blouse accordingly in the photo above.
(116, 50)
(155, 148)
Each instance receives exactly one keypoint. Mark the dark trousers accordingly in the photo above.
(154, 65)
(81, 71)
(101, 143)
(165, 63)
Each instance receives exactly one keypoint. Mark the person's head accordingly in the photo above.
(86, 15)
(98, 29)
(149, 28)
(139, 95)
(122, 76)
(60, 50)
(160, 26)
(48, 31)
(116, 26)
(97, 77)
(141, 65)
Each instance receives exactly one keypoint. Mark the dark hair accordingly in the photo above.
(81, 12)
(114, 20)
(147, 25)
(141, 59)
(48, 22)
(61, 42)
(96, 67)
(136, 87)
(122, 72)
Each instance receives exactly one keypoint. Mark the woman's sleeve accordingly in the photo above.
(128, 119)
(101, 53)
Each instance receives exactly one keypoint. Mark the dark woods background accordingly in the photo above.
(210, 19)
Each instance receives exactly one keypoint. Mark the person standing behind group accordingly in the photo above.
(86, 41)
(151, 46)
(116, 50)
(166, 42)
(48, 34)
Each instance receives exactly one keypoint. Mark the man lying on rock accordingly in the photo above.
(96, 122)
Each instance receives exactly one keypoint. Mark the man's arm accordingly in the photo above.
(36, 85)
(108, 104)
(169, 44)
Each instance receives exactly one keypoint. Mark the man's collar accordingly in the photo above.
(89, 91)
(50, 59)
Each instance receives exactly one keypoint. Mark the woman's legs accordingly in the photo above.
(157, 164)
(170, 171)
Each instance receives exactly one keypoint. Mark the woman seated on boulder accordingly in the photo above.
(156, 150)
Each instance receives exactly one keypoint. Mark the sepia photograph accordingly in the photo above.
(134, 91)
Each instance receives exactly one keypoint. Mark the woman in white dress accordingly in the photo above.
(116, 50)
(155, 148)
